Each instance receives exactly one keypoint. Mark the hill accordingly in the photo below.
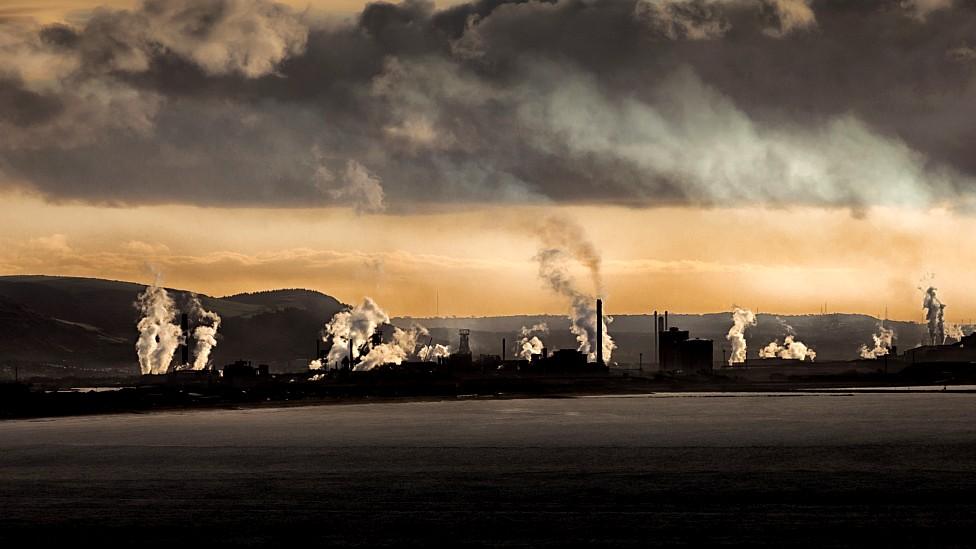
(67, 326)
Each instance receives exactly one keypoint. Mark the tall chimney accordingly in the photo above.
(666, 325)
(660, 329)
(503, 349)
(350, 354)
(654, 355)
(599, 332)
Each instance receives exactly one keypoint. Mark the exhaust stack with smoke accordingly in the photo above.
(563, 241)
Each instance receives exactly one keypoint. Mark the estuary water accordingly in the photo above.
(810, 469)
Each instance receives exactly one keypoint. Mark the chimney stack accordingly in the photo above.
(654, 355)
(503, 349)
(599, 332)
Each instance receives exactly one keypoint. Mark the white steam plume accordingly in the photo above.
(883, 341)
(741, 319)
(403, 345)
(934, 316)
(954, 331)
(159, 335)
(358, 325)
(205, 333)
(790, 349)
(432, 352)
(563, 241)
(529, 342)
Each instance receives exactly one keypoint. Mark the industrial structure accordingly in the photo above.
(676, 352)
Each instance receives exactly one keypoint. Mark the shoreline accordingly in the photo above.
(148, 400)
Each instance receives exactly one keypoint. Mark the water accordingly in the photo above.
(712, 468)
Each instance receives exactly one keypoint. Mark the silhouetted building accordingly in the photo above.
(678, 353)
(240, 374)
(669, 354)
(464, 346)
(963, 350)
(695, 355)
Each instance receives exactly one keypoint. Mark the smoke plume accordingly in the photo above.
(790, 349)
(741, 319)
(883, 341)
(954, 331)
(205, 333)
(564, 242)
(159, 335)
(403, 345)
(529, 342)
(356, 325)
(433, 352)
(934, 316)
(359, 326)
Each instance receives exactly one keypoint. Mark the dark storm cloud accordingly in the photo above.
(234, 102)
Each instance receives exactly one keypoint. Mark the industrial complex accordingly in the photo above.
(362, 353)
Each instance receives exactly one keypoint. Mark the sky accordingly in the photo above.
(785, 155)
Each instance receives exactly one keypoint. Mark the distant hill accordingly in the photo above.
(68, 325)
(85, 324)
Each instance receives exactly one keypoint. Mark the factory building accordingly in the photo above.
(963, 350)
(677, 353)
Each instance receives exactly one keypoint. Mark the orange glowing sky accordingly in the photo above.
(480, 262)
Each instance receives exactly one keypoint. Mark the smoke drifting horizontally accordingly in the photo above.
(159, 335)
(665, 102)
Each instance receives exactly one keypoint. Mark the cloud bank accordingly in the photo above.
(642, 102)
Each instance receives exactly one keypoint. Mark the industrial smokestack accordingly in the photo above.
(654, 354)
(666, 325)
(503, 348)
(599, 332)
(350, 354)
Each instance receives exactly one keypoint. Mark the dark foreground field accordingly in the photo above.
(812, 470)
